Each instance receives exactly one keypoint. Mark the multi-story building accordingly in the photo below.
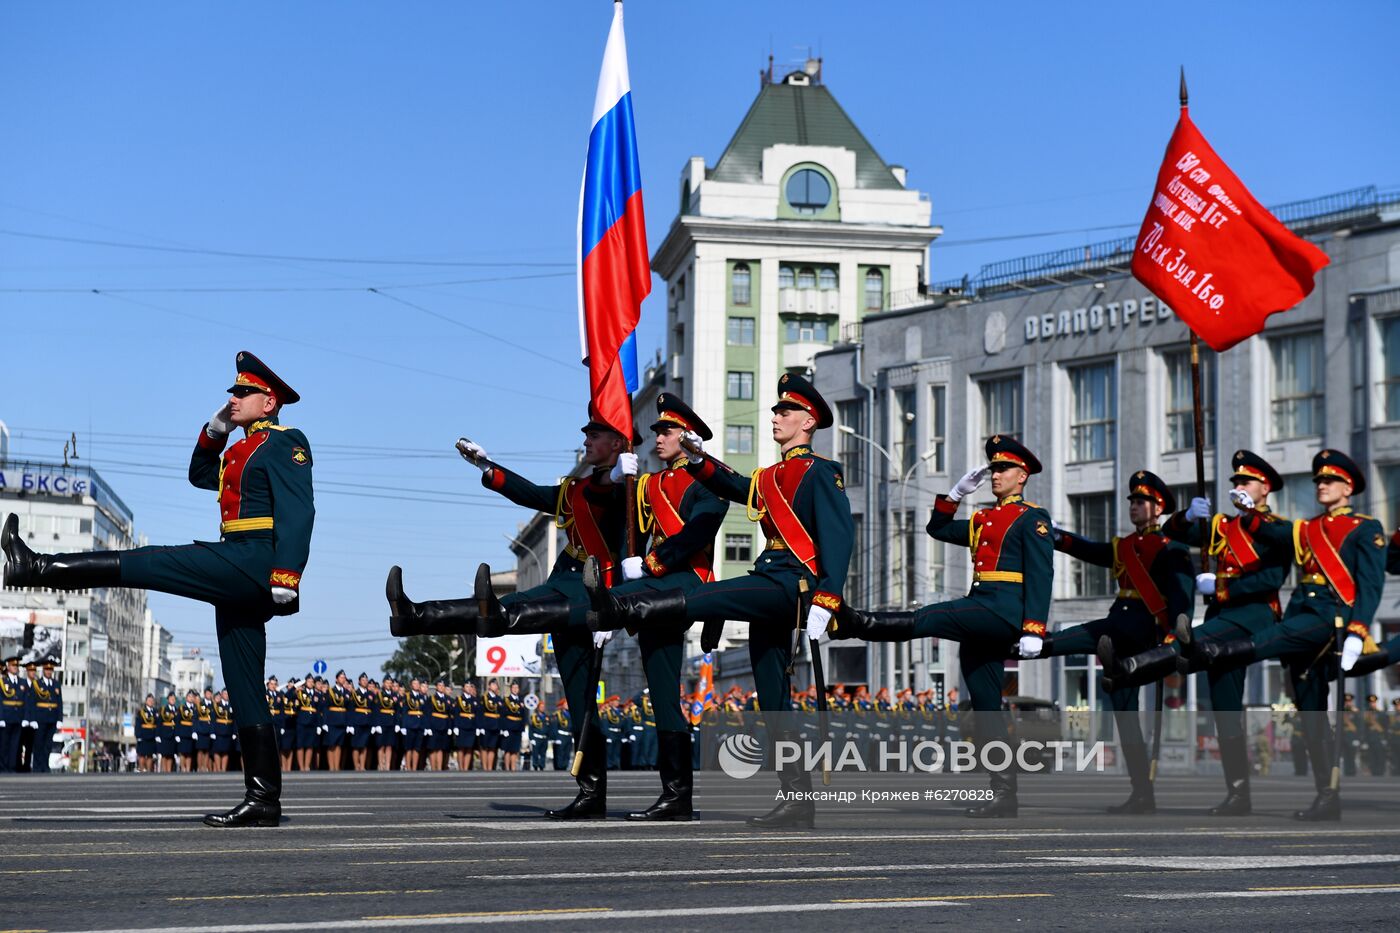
(155, 659)
(1070, 353)
(189, 670)
(68, 508)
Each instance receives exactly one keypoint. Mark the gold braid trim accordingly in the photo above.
(646, 518)
(754, 515)
(563, 512)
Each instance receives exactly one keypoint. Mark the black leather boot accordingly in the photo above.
(1142, 800)
(611, 611)
(1151, 665)
(1003, 803)
(790, 813)
(435, 617)
(78, 571)
(1318, 736)
(677, 779)
(1211, 652)
(1326, 807)
(262, 778)
(1234, 759)
(526, 617)
(710, 634)
(871, 626)
(592, 800)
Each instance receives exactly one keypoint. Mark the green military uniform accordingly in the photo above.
(1154, 588)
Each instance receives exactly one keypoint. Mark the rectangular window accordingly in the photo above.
(937, 570)
(740, 386)
(850, 453)
(1390, 366)
(1093, 518)
(1094, 418)
(741, 331)
(738, 438)
(902, 577)
(938, 429)
(738, 548)
(1296, 405)
(903, 430)
(1181, 422)
(855, 579)
(1001, 406)
(806, 330)
(1297, 499)
(1387, 501)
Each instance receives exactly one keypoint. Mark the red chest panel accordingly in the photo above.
(1238, 553)
(1146, 547)
(672, 488)
(231, 474)
(989, 529)
(787, 475)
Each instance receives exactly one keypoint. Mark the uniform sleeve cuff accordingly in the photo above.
(945, 505)
(1359, 629)
(654, 566)
(288, 578)
(703, 470)
(1032, 627)
(205, 442)
(494, 479)
(827, 600)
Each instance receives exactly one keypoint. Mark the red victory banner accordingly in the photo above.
(1212, 252)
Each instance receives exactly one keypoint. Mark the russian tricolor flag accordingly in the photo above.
(614, 268)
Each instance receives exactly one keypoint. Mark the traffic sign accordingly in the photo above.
(319, 667)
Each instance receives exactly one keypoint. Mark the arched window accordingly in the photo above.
(739, 284)
(826, 278)
(785, 279)
(806, 278)
(808, 191)
(874, 290)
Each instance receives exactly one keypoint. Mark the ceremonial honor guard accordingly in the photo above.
(1358, 662)
(166, 749)
(1154, 589)
(591, 510)
(251, 574)
(1241, 600)
(14, 693)
(47, 716)
(1013, 567)
(1341, 554)
(465, 726)
(800, 503)
(147, 721)
(682, 517)
(338, 697)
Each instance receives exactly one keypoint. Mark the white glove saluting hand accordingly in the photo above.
(1030, 645)
(632, 568)
(694, 446)
(1199, 508)
(626, 465)
(971, 481)
(1205, 584)
(1243, 500)
(220, 423)
(1351, 651)
(817, 619)
(473, 453)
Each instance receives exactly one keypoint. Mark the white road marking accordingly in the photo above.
(1222, 862)
(1299, 892)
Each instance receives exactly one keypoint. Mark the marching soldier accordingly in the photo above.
(1241, 600)
(1342, 558)
(592, 512)
(682, 516)
(14, 691)
(466, 726)
(1355, 660)
(147, 721)
(800, 502)
(1154, 589)
(1012, 553)
(166, 747)
(437, 726)
(251, 574)
(47, 716)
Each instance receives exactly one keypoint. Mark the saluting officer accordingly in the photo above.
(251, 574)
(47, 716)
(185, 727)
(413, 725)
(223, 731)
(204, 732)
(1013, 566)
(147, 721)
(682, 516)
(358, 722)
(307, 731)
(14, 692)
(591, 511)
(166, 748)
(1342, 558)
(800, 503)
(1241, 600)
(465, 726)
(489, 740)
(1154, 589)
(437, 725)
(386, 729)
(338, 698)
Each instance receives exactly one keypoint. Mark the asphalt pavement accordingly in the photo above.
(447, 850)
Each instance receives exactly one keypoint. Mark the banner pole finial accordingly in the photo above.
(1183, 86)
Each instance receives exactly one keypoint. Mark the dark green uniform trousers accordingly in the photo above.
(1247, 620)
(769, 602)
(985, 638)
(573, 644)
(242, 606)
(661, 648)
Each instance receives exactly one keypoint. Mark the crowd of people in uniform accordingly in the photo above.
(31, 712)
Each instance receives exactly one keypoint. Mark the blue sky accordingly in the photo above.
(451, 135)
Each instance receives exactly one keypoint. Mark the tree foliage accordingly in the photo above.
(429, 657)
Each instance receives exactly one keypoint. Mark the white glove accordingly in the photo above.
(1030, 646)
(1199, 508)
(1351, 651)
(602, 638)
(427, 731)
(281, 595)
(693, 440)
(1243, 500)
(632, 568)
(220, 424)
(817, 619)
(473, 453)
(969, 484)
(626, 465)
(1205, 584)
